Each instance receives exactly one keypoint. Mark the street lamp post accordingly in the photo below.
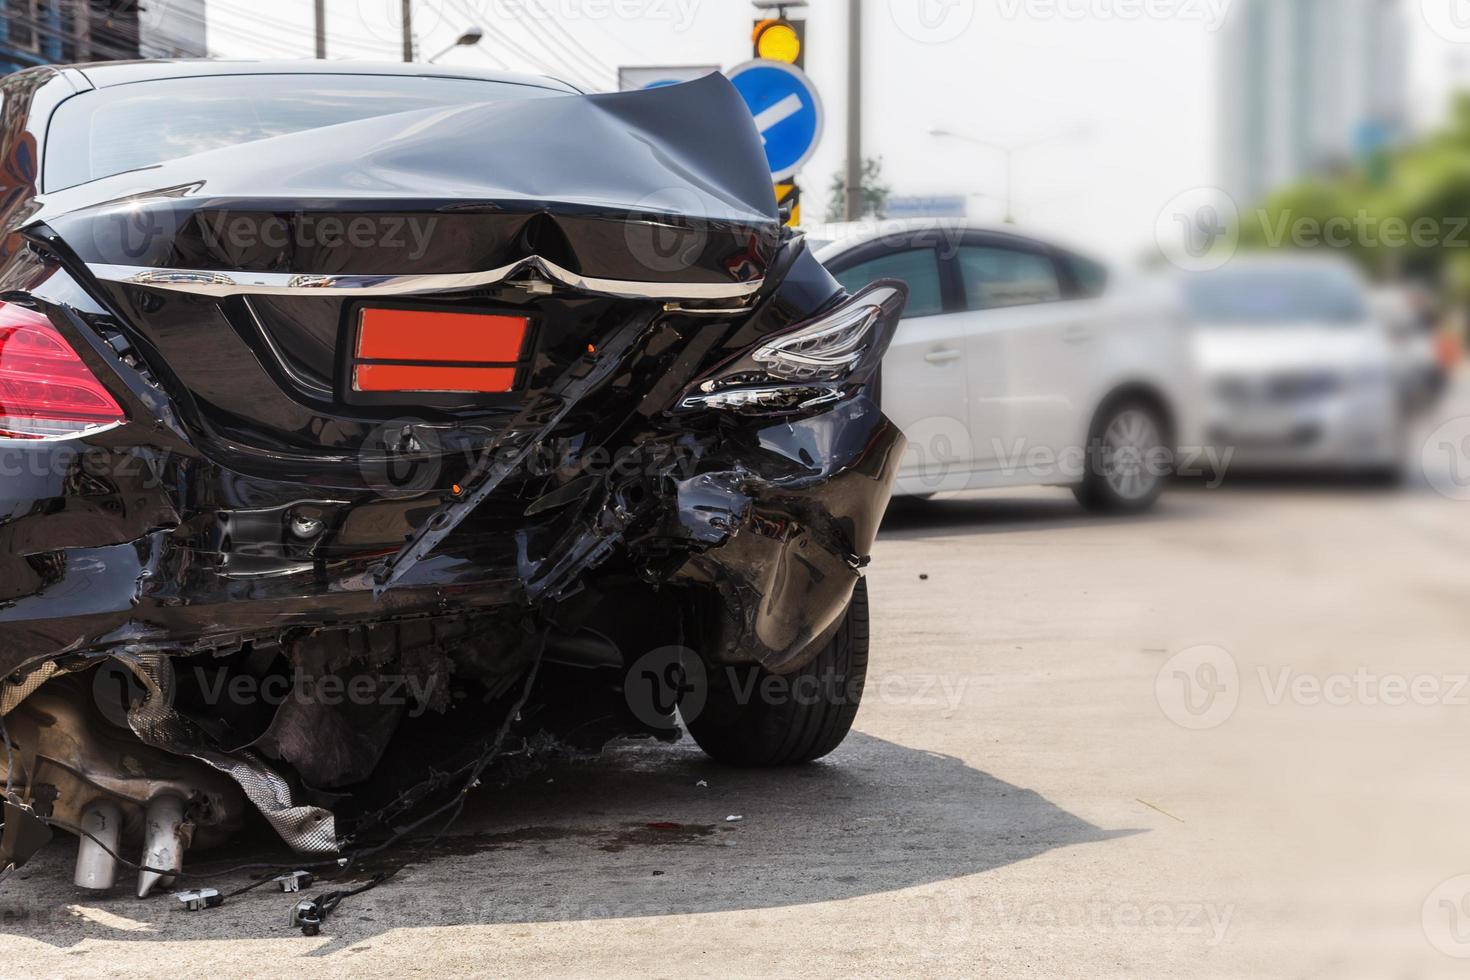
(1008, 152)
(469, 38)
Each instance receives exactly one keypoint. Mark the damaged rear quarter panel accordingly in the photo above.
(796, 512)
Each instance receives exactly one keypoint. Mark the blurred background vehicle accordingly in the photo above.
(1300, 369)
(1018, 362)
(1422, 361)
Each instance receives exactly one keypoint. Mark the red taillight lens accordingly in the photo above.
(46, 392)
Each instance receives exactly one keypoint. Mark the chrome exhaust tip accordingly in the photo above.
(96, 867)
(163, 843)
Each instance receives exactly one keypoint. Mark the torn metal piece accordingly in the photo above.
(308, 829)
(623, 411)
(503, 457)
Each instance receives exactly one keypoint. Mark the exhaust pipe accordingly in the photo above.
(96, 868)
(163, 844)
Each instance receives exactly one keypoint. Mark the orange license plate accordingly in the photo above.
(436, 352)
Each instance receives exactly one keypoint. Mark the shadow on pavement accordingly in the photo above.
(628, 836)
(1029, 510)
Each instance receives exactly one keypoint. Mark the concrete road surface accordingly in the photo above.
(1226, 740)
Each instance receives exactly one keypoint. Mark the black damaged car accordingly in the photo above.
(363, 425)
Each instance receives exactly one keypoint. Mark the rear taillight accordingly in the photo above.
(809, 365)
(46, 392)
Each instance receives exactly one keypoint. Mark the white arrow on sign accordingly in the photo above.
(777, 114)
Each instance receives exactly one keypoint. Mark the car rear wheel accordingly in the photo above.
(1128, 459)
(754, 718)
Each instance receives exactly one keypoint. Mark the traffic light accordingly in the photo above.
(788, 199)
(779, 39)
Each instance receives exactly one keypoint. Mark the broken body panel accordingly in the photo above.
(664, 468)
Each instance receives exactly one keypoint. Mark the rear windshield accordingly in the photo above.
(128, 127)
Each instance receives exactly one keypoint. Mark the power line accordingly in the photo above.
(545, 44)
(542, 66)
(561, 29)
(567, 55)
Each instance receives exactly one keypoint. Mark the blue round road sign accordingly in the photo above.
(787, 111)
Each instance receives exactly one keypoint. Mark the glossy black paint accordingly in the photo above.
(246, 499)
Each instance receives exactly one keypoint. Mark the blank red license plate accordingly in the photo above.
(437, 352)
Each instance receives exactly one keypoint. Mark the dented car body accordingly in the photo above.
(354, 439)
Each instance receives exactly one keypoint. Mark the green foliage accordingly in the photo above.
(1405, 212)
(875, 192)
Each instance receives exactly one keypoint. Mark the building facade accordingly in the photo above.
(1308, 86)
(43, 32)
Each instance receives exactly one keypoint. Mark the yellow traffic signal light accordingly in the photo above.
(778, 40)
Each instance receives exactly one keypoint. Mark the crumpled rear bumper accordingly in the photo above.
(767, 526)
(794, 523)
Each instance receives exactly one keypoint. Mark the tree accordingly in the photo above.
(1402, 213)
(875, 192)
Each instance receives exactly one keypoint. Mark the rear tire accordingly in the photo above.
(1128, 460)
(811, 714)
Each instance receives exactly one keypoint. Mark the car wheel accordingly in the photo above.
(1128, 459)
(751, 720)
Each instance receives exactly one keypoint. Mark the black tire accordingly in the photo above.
(812, 713)
(1100, 490)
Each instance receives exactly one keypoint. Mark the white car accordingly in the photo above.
(1300, 371)
(1019, 363)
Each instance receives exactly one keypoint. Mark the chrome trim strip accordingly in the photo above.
(303, 284)
(270, 342)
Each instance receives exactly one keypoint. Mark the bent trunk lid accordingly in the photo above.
(247, 269)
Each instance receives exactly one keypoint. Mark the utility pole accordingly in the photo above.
(854, 207)
(408, 31)
(321, 30)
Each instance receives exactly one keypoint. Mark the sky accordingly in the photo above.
(1119, 96)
